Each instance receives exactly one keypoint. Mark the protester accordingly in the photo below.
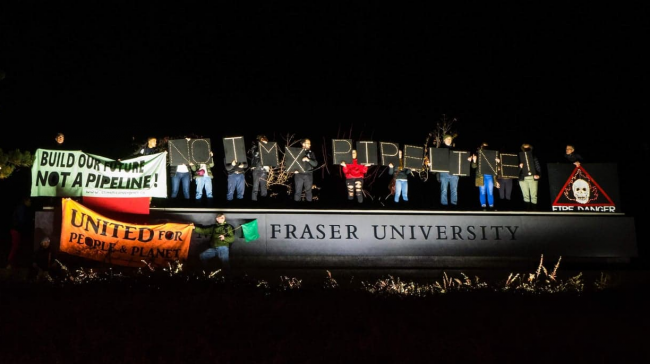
(203, 179)
(485, 178)
(505, 192)
(571, 155)
(221, 235)
(304, 181)
(150, 148)
(260, 171)
(59, 142)
(181, 175)
(400, 179)
(448, 181)
(236, 179)
(354, 176)
(530, 171)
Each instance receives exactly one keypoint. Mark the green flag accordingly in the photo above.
(249, 230)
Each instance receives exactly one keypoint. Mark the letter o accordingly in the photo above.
(53, 179)
(82, 160)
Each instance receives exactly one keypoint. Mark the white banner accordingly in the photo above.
(71, 173)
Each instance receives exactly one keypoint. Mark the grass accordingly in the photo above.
(542, 281)
(170, 315)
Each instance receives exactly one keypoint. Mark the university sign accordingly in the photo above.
(331, 238)
(332, 233)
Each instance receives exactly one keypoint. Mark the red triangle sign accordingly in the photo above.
(582, 193)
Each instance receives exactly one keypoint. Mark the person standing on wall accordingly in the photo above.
(505, 191)
(400, 178)
(529, 174)
(260, 172)
(59, 142)
(354, 176)
(236, 179)
(181, 175)
(203, 178)
(448, 181)
(484, 180)
(304, 181)
(150, 148)
(571, 156)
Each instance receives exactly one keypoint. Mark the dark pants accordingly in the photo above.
(355, 188)
(222, 252)
(259, 182)
(184, 179)
(303, 181)
(236, 184)
(505, 189)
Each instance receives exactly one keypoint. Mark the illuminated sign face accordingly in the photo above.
(581, 192)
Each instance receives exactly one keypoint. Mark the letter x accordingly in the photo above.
(295, 160)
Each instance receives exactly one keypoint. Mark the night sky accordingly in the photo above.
(109, 75)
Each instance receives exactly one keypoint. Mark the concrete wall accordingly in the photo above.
(410, 239)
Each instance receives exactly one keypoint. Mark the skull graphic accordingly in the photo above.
(581, 191)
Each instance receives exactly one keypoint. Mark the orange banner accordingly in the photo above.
(87, 234)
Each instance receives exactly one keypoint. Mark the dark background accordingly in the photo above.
(106, 74)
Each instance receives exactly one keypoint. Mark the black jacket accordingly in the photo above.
(538, 169)
(311, 164)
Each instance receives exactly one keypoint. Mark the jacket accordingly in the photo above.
(398, 173)
(478, 179)
(355, 170)
(208, 169)
(236, 169)
(538, 169)
(214, 230)
(254, 156)
(573, 157)
(311, 164)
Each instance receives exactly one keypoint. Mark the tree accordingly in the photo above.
(443, 126)
(13, 160)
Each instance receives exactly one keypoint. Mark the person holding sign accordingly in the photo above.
(304, 180)
(203, 179)
(571, 155)
(354, 175)
(529, 174)
(43, 261)
(236, 179)
(448, 181)
(400, 178)
(260, 172)
(150, 148)
(181, 174)
(59, 140)
(486, 171)
(508, 172)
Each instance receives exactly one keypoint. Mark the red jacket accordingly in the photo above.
(355, 170)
